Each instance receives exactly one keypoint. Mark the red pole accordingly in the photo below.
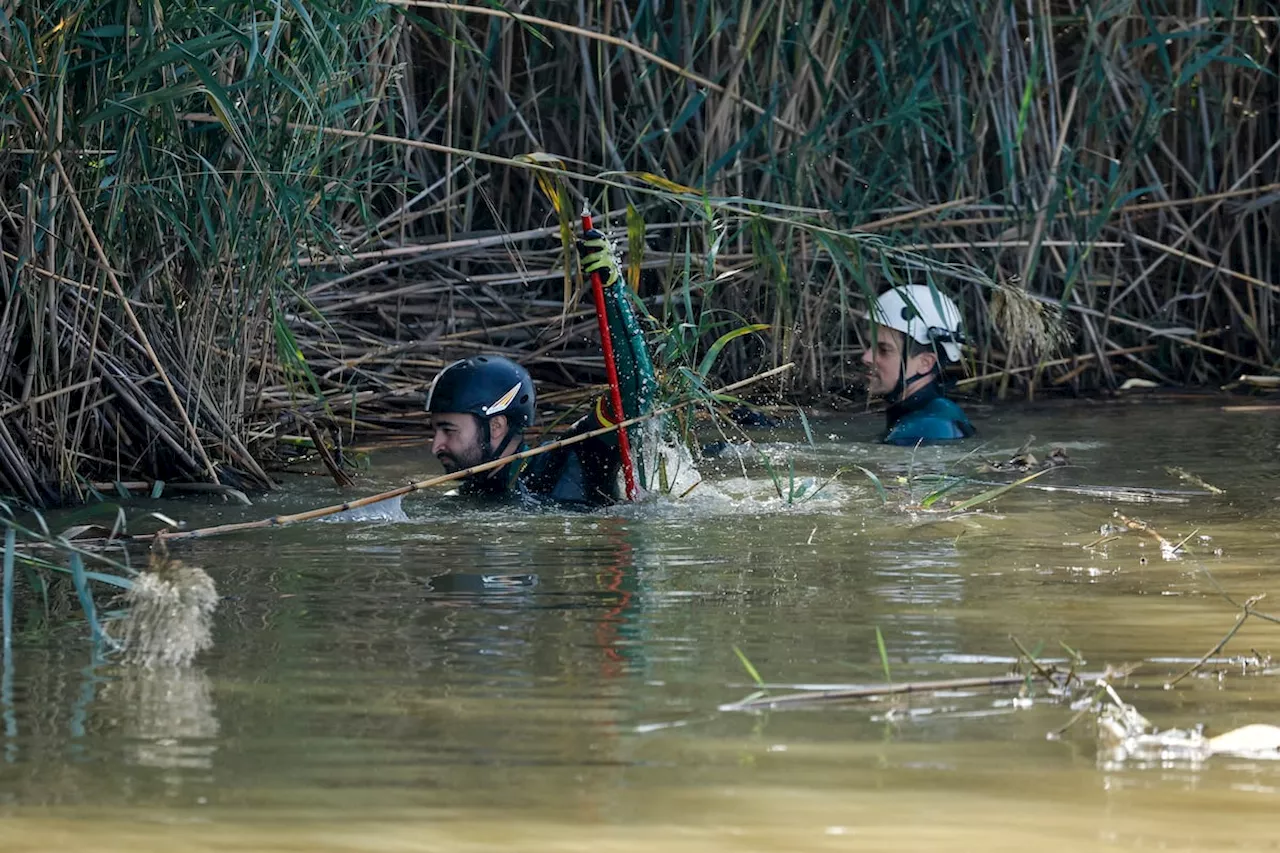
(611, 370)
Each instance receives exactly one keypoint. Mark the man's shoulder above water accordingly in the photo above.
(926, 416)
(582, 475)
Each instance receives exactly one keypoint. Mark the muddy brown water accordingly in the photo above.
(476, 680)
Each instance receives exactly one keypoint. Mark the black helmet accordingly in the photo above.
(484, 386)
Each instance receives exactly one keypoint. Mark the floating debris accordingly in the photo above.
(1168, 550)
(1125, 735)
(170, 614)
(1188, 477)
(1024, 460)
(1254, 381)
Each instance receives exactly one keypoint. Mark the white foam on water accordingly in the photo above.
(667, 460)
(385, 510)
(688, 493)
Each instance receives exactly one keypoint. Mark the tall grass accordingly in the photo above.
(778, 161)
(1115, 158)
(312, 208)
(147, 261)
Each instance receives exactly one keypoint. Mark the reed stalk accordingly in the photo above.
(421, 485)
(222, 215)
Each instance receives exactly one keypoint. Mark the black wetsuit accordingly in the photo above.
(926, 417)
(584, 474)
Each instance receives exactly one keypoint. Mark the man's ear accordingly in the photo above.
(498, 426)
(926, 363)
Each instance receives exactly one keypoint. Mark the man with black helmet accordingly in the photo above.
(480, 407)
(914, 329)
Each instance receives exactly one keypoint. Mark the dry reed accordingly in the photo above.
(218, 219)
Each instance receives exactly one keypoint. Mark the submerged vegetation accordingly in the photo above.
(164, 612)
(226, 225)
(1122, 733)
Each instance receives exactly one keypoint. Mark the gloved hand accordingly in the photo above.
(596, 254)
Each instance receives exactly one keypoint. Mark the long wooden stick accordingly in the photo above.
(1199, 261)
(282, 520)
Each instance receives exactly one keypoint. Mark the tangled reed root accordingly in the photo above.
(1029, 326)
(170, 614)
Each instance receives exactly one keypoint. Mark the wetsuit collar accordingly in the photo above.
(915, 402)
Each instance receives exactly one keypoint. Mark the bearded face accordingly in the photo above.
(456, 442)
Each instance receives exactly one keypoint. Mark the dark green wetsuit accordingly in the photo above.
(583, 474)
(586, 473)
(926, 417)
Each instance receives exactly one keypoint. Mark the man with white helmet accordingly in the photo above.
(914, 328)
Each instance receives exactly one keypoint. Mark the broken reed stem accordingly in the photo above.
(340, 477)
(1246, 610)
(1184, 540)
(1143, 527)
(1082, 360)
(1102, 685)
(876, 691)
(281, 520)
(1183, 474)
(1035, 664)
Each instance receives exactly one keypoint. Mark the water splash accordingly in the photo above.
(387, 510)
(666, 466)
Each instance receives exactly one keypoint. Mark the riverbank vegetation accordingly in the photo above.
(232, 225)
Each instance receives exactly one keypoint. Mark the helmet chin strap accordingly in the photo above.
(895, 396)
(486, 439)
(900, 387)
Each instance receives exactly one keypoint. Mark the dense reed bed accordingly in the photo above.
(231, 223)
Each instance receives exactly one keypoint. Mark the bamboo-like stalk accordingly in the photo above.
(321, 512)
(327, 225)
(878, 691)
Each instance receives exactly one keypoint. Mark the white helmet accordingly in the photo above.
(923, 314)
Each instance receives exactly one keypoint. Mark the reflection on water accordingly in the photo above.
(480, 680)
(165, 717)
